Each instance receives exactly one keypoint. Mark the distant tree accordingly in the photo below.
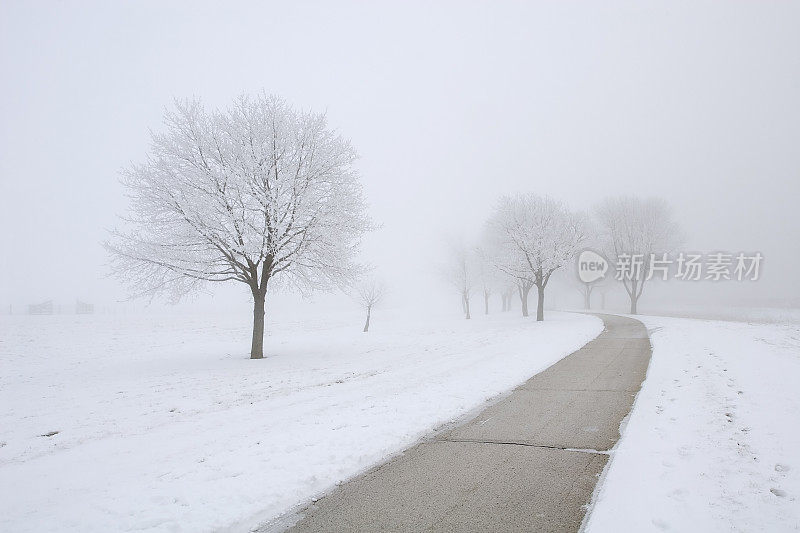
(514, 274)
(635, 228)
(535, 236)
(459, 271)
(488, 276)
(585, 289)
(602, 289)
(510, 264)
(253, 193)
(507, 294)
(370, 294)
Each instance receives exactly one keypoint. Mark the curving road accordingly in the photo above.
(527, 463)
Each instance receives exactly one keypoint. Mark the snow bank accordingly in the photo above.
(713, 442)
(165, 425)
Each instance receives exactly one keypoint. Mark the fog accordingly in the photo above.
(449, 105)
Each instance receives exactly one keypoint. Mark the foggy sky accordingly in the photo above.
(449, 105)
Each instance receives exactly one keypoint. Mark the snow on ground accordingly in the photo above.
(713, 442)
(769, 315)
(165, 425)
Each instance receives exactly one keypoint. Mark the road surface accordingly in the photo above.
(530, 462)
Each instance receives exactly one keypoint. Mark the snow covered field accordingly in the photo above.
(163, 424)
(713, 442)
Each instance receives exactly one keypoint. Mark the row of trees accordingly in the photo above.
(528, 238)
(263, 194)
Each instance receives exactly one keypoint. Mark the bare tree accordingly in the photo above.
(459, 271)
(536, 237)
(253, 193)
(573, 282)
(586, 289)
(507, 294)
(487, 275)
(637, 229)
(592, 244)
(370, 294)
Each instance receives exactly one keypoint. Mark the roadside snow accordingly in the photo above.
(713, 442)
(163, 424)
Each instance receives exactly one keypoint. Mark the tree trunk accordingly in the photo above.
(540, 304)
(634, 293)
(366, 325)
(466, 306)
(486, 304)
(523, 296)
(257, 348)
(587, 298)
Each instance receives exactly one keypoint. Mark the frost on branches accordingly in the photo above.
(369, 294)
(257, 193)
(533, 237)
(630, 225)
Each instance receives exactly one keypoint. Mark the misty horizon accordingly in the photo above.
(484, 101)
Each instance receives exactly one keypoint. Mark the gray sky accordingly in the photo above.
(449, 104)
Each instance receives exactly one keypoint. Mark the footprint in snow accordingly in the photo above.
(778, 492)
(782, 468)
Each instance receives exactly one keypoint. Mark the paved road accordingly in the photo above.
(527, 463)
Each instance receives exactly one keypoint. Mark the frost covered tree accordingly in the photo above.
(256, 193)
(636, 228)
(369, 294)
(535, 236)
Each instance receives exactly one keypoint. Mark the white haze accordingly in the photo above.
(449, 104)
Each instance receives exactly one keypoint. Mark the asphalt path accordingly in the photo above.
(529, 462)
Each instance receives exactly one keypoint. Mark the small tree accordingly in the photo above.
(637, 228)
(369, 295)
(537, 236)
(255, 193)
(487, 276)
(586, 289)
(459, 271)
(507, 294)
